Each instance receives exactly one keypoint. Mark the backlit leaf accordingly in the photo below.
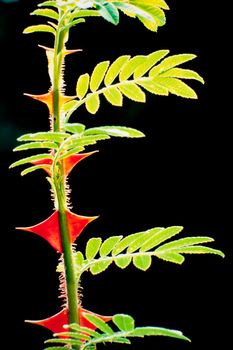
(176, 87)
(142, 262)
(160, 236)
(154, 88)
(98, 75)
(142, 238)
(31, 169)
(103, 326)
(31, 159)
(109, 12)
(124, 322)
(36, 145)
(82, 85)
(199, 250)
(44, 136)
(75, 128)
(115, 69)
(182, 74)
(117, 131)
(123, 261)
(184, 242)
(108, 245)
(100, 266)
(79, 259)
(114, 96)
(124, 243)
(92, 247)
(170, 256)
(93, 103)
(130, 66)
(132, 91)
(171, 62)
(39, 28)
(46, 13)
(157, 331)
(149, 62)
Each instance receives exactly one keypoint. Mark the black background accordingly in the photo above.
(180, 174)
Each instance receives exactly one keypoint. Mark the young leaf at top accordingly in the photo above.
(108, 11)
(46, 13)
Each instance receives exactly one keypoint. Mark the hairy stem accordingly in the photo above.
(60, 185)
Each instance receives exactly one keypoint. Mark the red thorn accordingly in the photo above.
(56, 322)
(48, 99)
(49, 228)
(45, 98)
(65, 52)
(69, 162)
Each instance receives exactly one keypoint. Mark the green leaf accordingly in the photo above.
(122, 261)
(109, 12)
(176, 87)
(96, 321)
(39, 28)
(133, 11)
(48, 3)
(149, 62)
(130, 66)
(64, 341)
(82, 329)
(85, 13)
(125, 242)
(117, 131)
(46, 13)
(108, 245)
(184, 242)
(100, 266)
(31, 169)
(171, 62)
(113, 96)
(82, 85)
(199, 250)
(55, 348)
(69, 153)
(115, 69)
(154, 88)
(44, 136)
(142, 262)
(31, 159)
(157, 331)
(182, 74)
(66, 107)
(155, 12)
(74, 335)
(92, 247)
(160, 236)
(170, 256)
(142, 238)
(35, 145)
(75, 128)
(98, 75)
(92, 103)
(79, 259)
(75, 140)
(132, 91)
(124, 322)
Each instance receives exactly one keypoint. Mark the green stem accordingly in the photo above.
(60, 187)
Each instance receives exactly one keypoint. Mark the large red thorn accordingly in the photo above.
(56, 322)
(49, 228)
(68, 163)
(48, 99)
